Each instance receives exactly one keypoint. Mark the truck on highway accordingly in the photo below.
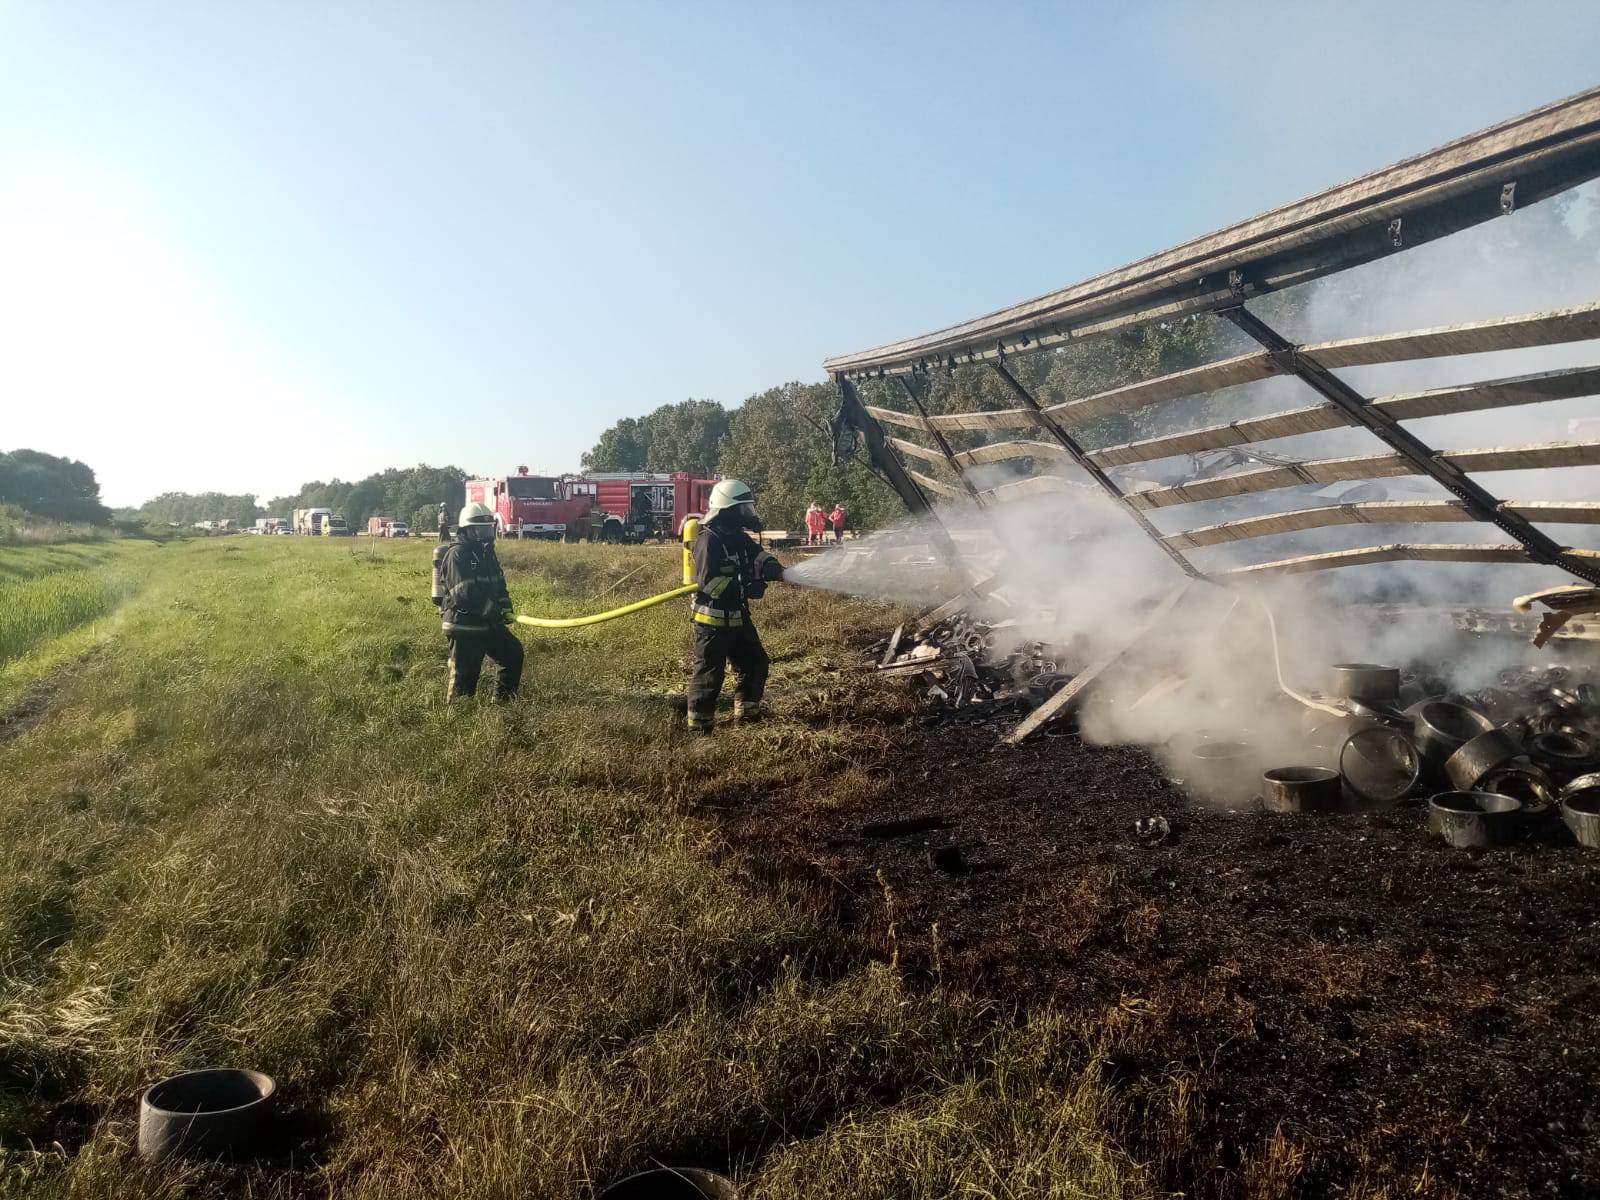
(637, 506)
(308, 521)
(334, 525)
(386, 527)
(553, 507)
(270, 525)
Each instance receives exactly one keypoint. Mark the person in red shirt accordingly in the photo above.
(839, 521)
(816, 523)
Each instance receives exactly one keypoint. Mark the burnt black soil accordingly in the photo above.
(1411, 1017)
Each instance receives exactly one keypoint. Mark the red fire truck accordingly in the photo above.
(554, 507)
(635, 507)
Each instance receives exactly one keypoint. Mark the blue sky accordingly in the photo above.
(247, 244)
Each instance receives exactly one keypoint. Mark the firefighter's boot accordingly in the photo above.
(747, 712)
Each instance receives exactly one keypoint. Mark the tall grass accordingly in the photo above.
(35, 609)
(488, 952)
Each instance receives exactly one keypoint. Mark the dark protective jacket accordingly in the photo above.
(469, 587)
(730, 570)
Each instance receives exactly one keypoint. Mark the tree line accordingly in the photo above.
(410, 494)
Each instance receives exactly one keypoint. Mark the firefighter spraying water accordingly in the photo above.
(730, 570)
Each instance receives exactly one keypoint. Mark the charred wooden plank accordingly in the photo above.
(1374, 466)
(1002, 451)
(1037, 485)
(1373, 512)
(917, 451)
(894, 644)
(1378, 512)
(890, 416)
(933, 485)
(1395, 552)
(1005, 418)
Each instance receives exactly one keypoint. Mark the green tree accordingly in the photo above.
(44, 485)
(424, 520)
(686, 437)
(623, 447)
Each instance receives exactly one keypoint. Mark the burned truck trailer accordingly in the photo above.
(978, 458)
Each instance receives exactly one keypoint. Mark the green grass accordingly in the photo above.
(489, 951)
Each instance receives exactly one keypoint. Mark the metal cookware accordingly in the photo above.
(1441, 727)
(1524, 781)
(1365, 682)
(1302, 789)
(1476, 758)
(1380, 764)
(1580, 809)
(1475, 820)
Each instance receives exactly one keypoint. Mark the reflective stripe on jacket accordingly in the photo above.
(471, 588)
(727, 573)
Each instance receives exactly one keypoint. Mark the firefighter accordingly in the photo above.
(730, 570)
(470, 589)
(444, 521)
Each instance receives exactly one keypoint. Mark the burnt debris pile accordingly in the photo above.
(969, 670)
(1518, 756)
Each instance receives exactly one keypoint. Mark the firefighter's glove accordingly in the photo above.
(755, 589)
(771, 570)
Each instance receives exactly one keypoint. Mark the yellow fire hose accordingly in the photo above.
(691, 529)
(574, 622)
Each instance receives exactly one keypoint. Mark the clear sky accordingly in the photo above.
(247, 243)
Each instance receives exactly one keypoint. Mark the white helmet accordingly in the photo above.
(730, 493)
(477, 521)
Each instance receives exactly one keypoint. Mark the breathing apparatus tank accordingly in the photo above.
(438, 587)
(691, 530)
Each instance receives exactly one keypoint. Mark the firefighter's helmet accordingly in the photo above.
(477, 522)
(730, 493)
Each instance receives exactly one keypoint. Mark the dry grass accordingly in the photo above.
(488, 952)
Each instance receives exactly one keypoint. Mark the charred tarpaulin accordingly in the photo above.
(1045, 446)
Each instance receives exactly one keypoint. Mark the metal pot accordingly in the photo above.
(1581, 815)
(1221, 766)
(1302, 789)
(1476, 758)
(1563, 750)
(1522, 781)
(1475, 820)
(204, 1114)
(1442, 727)
(1380, 764)
(1365, 682)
